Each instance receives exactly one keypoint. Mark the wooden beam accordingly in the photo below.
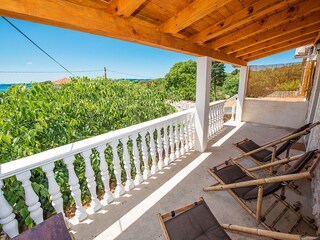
(244, 16)
(292, 26)
(268, 22)
(67, 15)
(278, 50)
(278, 40)
(190, 14)
(272, 48)
(124, 8)
(317, 38)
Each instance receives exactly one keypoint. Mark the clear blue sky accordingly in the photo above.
(79, 51)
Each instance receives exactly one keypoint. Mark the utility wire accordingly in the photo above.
(37, 45)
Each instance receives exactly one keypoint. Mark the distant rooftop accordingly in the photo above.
(61, 81)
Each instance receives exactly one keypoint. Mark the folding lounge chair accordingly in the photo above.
(242, 185)
(196, 222)
(261, 154)
(53, 228)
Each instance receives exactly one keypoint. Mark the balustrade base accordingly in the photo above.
(129, 185)
(119, 191)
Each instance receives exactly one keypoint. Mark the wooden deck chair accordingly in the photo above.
(242, 185)
(261, 154)
(196, 222)
(53, 228)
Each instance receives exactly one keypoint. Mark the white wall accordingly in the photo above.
(277, 112)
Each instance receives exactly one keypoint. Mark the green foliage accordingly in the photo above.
(292, 85)
(231, 83)
(44, 117)
(264, 82)
(180, 82)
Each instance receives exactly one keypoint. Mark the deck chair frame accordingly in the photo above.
(260, 218)
(230, 227)
(273, 144)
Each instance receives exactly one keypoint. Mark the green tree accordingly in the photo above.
(181, 80)
(231, 84)
(218, 76)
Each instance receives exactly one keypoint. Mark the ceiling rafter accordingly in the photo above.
(280, 39)
(317, 39)
(281, 30)
(124, 8)
(279, 47)
(54, 12)
(268, 22)
(244, 16)
(190, 14)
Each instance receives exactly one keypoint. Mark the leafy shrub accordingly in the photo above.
(45, 116)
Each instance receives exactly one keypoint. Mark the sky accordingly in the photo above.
(85, 52)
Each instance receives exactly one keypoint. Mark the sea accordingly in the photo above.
(4, 87)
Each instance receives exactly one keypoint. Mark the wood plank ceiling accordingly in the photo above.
(232, 31)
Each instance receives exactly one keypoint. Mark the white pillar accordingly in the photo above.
(202, 103)
(241, 92)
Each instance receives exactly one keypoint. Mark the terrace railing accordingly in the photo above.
(145, 149)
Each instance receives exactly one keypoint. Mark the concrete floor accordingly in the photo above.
(133, 216)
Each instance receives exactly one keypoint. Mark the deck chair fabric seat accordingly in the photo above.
(197, 223)
(265, 155)
(234, 174)
(53, 228)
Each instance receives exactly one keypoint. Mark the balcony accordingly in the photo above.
(168, 174)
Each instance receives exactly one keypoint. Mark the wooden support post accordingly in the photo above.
(202, 103)
(241, 92)
(274, 152)
(259, 204)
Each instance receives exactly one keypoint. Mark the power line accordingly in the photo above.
(18, 72)
(37, 45)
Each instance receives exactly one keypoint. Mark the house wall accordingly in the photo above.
(275, 111)
(314, 139)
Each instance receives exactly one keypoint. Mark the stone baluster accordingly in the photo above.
(216, 128)
(145, 157)
(159, 149)
(190, 131)
(182, 150)
(171, 136)
(75, 189)
(166, 145)
(154, 167)
(95, 204)
(136, 159)
(108, 197)
(117, 169)
(211, 132)
(127, 167)
(31, 198)
(186, 133)
(54, 190)
(7, 217)
(219, 117)
(193, 129)
(233, 110)
(222, 114)
(177, 138)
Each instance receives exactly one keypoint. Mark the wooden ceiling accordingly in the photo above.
(232, 31)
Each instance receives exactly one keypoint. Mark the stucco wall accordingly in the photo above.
(275, 111)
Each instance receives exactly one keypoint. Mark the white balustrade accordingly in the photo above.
(166, 144)
(95, 204)
(175, 137)
(54, 190)
(154, 167)
(127, 167)
(108, 197)
(117, 169)
(75, 189)
(7, 217)
(145, 156)
(181, 132)
(31, 198)
(186, 133)
(159, 149)
(171, 139)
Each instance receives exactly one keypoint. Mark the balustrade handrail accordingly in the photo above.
(39, 159)
(216, 102)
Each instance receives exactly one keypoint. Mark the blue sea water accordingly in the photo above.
(5, 87)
